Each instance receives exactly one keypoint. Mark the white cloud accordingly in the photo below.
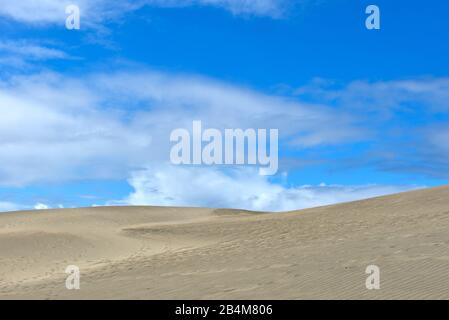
(241, 189)
(56, 128)
(96, 11)
(23, 54)
(270, 8)
(107, 125)
(30, 50)
(53, 11)
(40, 206)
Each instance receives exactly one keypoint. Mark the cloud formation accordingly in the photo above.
(40, 206)
(46, 12)
(242, 189)
(31, 50)
(111, 125)
(420, 146)
(269, 8)
(23, 54)
(58, 128)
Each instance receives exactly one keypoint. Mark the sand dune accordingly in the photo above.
(179, 253)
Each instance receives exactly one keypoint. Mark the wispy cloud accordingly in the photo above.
(412, 95)
(46, 12)
(420, 146)
(24, 51)
(25, 54)
(52, 11)
(268, 8)
(30, 50)
(423, 151)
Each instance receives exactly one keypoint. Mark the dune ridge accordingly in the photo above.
(194, 253)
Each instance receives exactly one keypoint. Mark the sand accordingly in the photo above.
(180, 253)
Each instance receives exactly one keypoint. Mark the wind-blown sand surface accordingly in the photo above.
(179, 253)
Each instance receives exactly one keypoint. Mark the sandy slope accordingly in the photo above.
(159, 253)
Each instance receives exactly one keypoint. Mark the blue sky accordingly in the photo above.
(87, 113)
